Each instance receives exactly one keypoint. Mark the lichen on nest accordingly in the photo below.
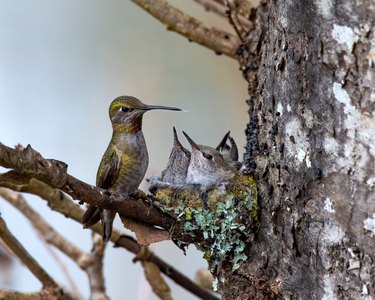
(221, 221)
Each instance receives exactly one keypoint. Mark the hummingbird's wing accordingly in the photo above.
(107, 175)
(110, 169)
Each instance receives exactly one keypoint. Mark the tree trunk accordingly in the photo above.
(311, 147)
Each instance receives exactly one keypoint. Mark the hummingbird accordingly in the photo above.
(125, 161)
(207, 166)
(178, 163)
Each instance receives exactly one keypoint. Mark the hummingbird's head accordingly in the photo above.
(128, 111)
(206, 159)
(207, 166)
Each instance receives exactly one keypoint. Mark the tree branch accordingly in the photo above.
(74, 287)
(11, 241)
(43, 228)
(14, 295)
(28, 164)
(175, 20)
(131, 245)
(234, 20)
(94, 268)
(152, 274)
(91, 263)
(242, 7)
(219, 8)
(42, 295)
(60, 202)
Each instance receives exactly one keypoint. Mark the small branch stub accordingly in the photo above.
(176, 20)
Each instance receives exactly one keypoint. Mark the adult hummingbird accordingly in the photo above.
(125, 161)
(207, 166)
(178, 163)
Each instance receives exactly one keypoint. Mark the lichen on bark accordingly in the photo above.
(221, 221)
(310, 68)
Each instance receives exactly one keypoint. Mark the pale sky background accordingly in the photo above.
(61, 65)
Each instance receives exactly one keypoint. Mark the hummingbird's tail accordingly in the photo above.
(92, 216)
(107, 217)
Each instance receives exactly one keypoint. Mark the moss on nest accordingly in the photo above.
(222, 220)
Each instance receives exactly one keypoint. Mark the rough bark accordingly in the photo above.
(311, 146)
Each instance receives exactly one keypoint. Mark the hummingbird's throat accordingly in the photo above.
(131, 127)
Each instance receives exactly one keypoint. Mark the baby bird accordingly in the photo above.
(207, 166)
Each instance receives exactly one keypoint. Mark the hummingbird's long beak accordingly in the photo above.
(223, 141)
(176, 142)
(191, 142)
(150, 107)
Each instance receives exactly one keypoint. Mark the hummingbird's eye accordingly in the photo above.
(208, 156)
(125, 109)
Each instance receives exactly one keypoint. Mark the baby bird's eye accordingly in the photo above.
(206, 155)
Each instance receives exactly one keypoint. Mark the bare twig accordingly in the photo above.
(152, 274)
(95, 269)
(234, 21)
(13, 295)
(74, 288)
(176, 20)
(60, 202)
(242, 7)
(25, 257)
(43, 228)
(220, 9)
(157, 282)
(42, 295)
(213, 6)
(92, 263)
